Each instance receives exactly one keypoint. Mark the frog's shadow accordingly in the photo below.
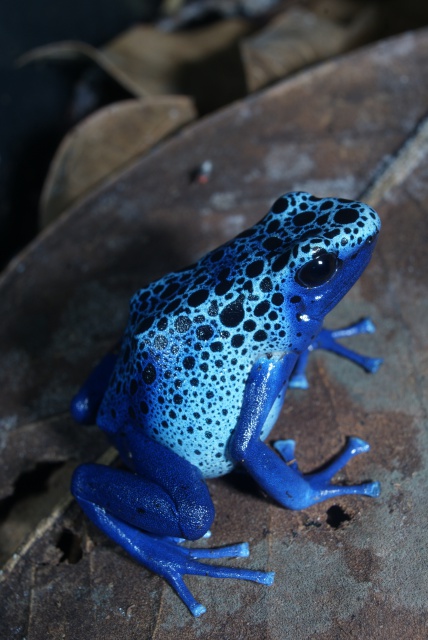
(239, 480)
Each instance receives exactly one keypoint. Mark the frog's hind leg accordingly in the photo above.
(145, 512)
(327, 339)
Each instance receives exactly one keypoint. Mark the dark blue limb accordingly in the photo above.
(146, 515)
(326, 339)
(298, 379)
(85, 404)
(354, 446)
(165, 558)
(283, 480)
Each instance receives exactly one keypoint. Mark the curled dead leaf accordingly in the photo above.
(300, 37)
(104, 143)
(146, 61)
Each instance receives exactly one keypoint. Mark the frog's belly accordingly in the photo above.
(210, 456)
(207, 447)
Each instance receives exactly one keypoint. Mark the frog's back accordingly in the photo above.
(194, 335)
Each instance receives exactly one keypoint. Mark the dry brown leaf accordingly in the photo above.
(300, 37)
(145, 60)
(104, 143)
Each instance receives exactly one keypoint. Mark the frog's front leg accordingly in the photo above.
(85, 404)
(166, 498)
(327, 339)
(283, 480)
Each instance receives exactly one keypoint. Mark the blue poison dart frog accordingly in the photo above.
(201, 376)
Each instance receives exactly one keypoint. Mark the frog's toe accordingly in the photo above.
(241, 550)
(320, 482)
(172, 562)
(371, 489)
(304, 490)
(286, 449)
(176, 581)
(321, 490)
(186, 562)
(298, 381)
(371, 365)
(353, 447)
(197, 610)
(327, 339)
(366, 325)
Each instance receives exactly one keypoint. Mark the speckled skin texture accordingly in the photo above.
(194, 336)
(201, 378)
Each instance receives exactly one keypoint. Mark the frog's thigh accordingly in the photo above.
(171, 499)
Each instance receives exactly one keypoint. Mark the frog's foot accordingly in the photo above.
(182, 561)
(165, 557)
(327, 340)
(318, 485)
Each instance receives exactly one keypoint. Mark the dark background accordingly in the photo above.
(36, 99)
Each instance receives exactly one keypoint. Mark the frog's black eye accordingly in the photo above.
(317, 271)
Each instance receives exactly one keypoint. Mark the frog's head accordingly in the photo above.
(326, 245)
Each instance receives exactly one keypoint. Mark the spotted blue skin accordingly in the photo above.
(201, 376)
